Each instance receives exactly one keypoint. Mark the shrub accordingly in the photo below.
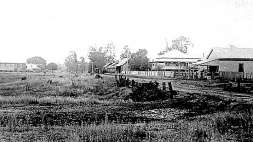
(148, 92)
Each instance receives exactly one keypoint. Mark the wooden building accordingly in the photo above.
(105, 67)
(229, 63)
(12, 67)
(122, 65)
(116, 67)
(110, 67)
(174, 60)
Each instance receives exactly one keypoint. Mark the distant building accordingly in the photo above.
(105, 67)
(13, 67)
(110, 67)
(230, 62)
(116, 67)
(122, 65)
(174, 60)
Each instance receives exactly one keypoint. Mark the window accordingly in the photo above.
(241, 68)
(213, 68)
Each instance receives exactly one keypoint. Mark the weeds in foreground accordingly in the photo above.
(110, 132)
(49, 100)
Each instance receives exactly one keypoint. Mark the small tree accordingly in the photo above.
(109, 51)
(82, 65)
(52, 66)
(125, 53)
(71, 62)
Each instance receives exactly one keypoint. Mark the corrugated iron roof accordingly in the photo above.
(178, 54)
(122, 62)
(113, 65)
(106, 65)
(231, 52)
(190, 60)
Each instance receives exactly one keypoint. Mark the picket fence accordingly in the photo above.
(169, 74)
(189, 75)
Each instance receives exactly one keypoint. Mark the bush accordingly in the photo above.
(148, 92)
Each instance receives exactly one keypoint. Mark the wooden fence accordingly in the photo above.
(235, 75)
(168, 74)
(191, 75)
(165, 74)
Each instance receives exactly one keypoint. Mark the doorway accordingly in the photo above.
(241, 67)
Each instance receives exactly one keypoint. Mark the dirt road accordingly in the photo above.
(190, 86)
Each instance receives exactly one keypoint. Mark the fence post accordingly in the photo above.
(171, 90)
(170, 86)
(164, 86)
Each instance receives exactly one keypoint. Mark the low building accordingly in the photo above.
(122, 65)
(230, 63)
(111, 68)
(116, 67)
(174, 60)
(12, 67)
(105, 67)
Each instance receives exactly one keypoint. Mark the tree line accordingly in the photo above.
(42, 63)
(102, 55)
(99, 56)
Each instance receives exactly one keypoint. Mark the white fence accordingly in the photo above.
(150, 73)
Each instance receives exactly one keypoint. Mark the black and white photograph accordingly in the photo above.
(126, 71)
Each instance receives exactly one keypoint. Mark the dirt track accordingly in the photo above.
(190, 86)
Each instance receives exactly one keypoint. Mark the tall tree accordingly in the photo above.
(97, 58)
(39, 61)
(139, 60)
(71, 62)
(82, 65)
(125, 53)
(109, 50)
(181, 44)
(100, 56)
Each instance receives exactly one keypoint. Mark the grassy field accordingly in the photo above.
(62, 107)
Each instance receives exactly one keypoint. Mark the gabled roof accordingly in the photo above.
(176, 54)
(190, 60)
(231, 52)
(106, 65)
(122, 62)
(203, 62)
(113, 65)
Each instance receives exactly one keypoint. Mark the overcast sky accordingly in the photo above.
(52, 28)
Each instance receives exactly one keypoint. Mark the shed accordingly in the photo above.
(234, 61)
(122, 65)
